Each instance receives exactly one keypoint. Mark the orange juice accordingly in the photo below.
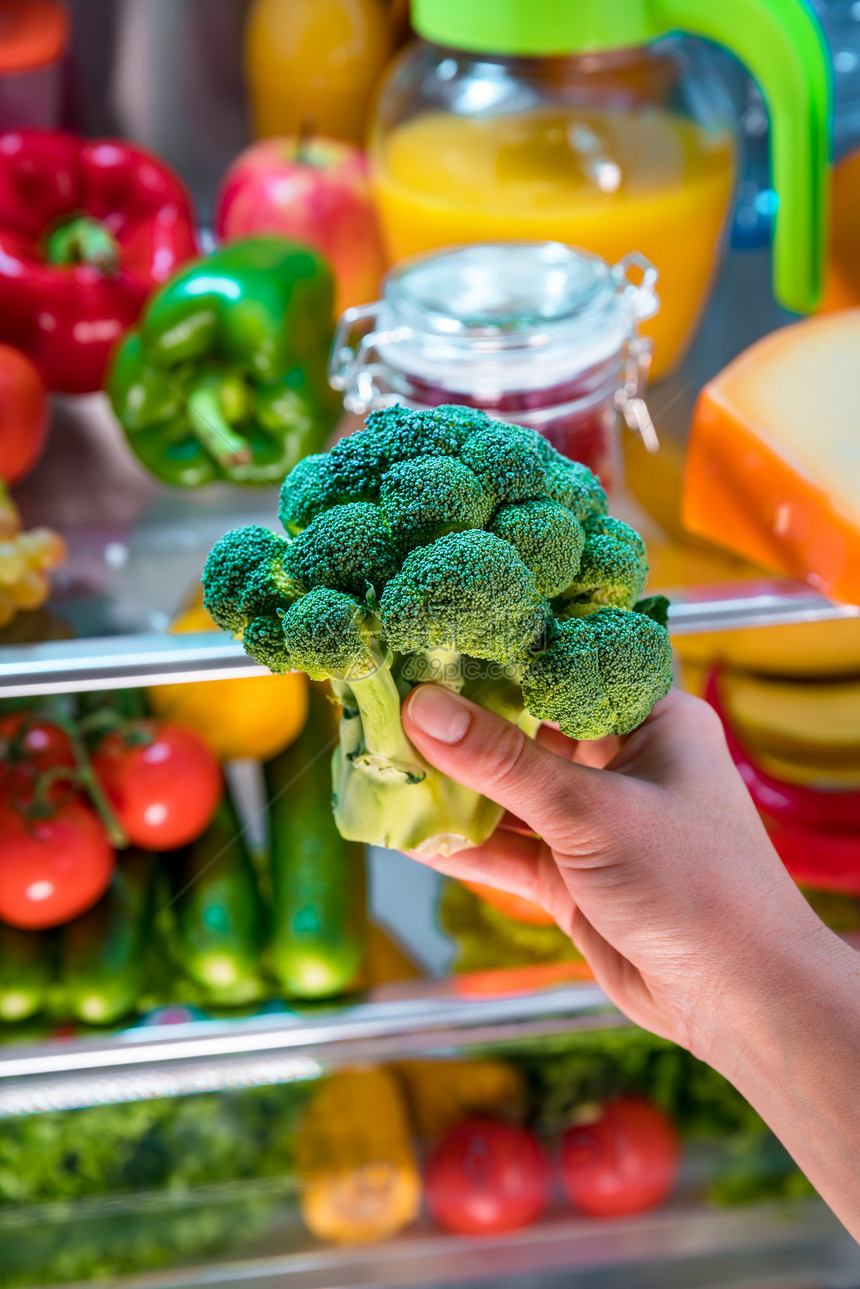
(608, 181)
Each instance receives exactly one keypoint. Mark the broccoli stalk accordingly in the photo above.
(384, 789)
(445, 547)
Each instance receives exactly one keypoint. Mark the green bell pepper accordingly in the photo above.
(225, 378)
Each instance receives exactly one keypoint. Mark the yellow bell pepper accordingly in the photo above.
(358, 1175)
(252, 716)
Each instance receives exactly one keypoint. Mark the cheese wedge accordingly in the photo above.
(773, 462)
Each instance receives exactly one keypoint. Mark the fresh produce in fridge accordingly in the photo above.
(226, 376)
(318, 880)
(625, 1160)
(53, 865)
(771, 470)
(162, 781)
(315, 191)
(486, 1177)
(25, 973)
(26, 558)
(23, 414)
(102, 951)
(394, 573)
(252, 717)
(359, 1181)
(442, 1093)
(219, 916)
(315, 62)
(89, 228)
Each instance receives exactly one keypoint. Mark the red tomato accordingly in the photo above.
(484, 1177)
(51, 869)
(164, 792)
(44, 745)
(625, 1162)
(23, 414)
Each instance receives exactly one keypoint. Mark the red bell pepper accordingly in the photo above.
(87, 230)
(791, 803)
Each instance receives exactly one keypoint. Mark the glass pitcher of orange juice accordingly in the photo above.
(563, 120)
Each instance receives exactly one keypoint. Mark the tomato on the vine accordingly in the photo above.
(52, 868)
(485, 1176)
(37, 740)
(624, 1162)
(164, 791)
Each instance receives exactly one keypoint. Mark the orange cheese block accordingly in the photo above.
(773, 463)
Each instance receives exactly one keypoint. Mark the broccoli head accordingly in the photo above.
(444, 547)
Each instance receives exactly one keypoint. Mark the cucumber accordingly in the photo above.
(218, 913)
(318, 880)
(102, 952)
(25, 972)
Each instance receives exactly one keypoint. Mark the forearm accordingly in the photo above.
(790, 1043)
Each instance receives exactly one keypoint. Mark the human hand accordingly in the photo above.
(650, 855)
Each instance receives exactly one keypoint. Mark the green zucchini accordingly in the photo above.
(102, 952)
(218, 913)
(25, 972)
(318, 880)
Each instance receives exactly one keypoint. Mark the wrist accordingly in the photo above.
(771, 999)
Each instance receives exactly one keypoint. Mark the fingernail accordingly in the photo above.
(439, 713)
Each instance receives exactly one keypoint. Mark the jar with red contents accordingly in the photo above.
(536, 333)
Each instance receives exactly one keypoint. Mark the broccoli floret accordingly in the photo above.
(635, 664)
(245, 577)
(508, 460)
(425, 498)
(346, 549)
(403, 433)
(613, 570)
(444, 547)
(327, 633)
(600, 675)
(306, 492)
(574, 486)
(548, 539)
(468, 591)
(263, 640)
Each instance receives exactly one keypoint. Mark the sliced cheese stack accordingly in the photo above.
(773, 464)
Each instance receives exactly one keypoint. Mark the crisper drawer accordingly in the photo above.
(482, 1128)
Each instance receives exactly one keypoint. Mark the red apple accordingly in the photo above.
(315, 191)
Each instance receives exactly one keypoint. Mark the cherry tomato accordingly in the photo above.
(164, 792)
(42, 744)
(51, 869)
(484, 1177)
(624, 1162)
(23, 414)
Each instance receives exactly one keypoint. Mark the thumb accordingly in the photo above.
(483, 751)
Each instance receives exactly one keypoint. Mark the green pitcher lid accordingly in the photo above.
(535, 27)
